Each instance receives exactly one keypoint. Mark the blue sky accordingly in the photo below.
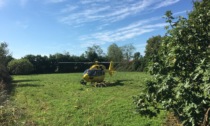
(43, 27)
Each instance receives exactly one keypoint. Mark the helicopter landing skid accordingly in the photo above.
(99, 84)
(83, 82)
(95, 84)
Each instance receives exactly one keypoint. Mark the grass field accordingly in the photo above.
(60, 100)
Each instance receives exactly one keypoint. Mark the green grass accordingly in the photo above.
(60, 100)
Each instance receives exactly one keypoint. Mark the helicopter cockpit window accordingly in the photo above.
(96, 72)
(91, 72)
(85, 71)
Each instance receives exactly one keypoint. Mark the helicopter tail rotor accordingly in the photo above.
(111, 69)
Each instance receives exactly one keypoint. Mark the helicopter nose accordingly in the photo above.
(85, 77)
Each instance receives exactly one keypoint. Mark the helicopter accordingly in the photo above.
(96, 73)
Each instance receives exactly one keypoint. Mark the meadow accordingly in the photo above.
(60, 100)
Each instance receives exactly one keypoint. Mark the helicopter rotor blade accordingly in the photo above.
(75, 62)
(86, 62)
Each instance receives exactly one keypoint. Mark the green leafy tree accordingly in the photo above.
(182, 70)
(41, 64)
(152, 48)
(127, 51)
(5, 56)
(93, 53)
(97, 49)
(20, 66)
(63, 68)
(5, 78)
(138, 62)
(114, 53)
(3, 52)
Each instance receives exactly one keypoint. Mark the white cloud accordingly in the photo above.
(87, 15)
(122, 34)
(86, 11)
(165, 3)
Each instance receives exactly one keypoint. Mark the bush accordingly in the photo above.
(5, 83)
(182, 70)
(20, 67)
(5, 78)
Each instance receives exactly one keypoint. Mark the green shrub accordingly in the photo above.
(182, 70)
(5, 78)
(20, 67)
(5, 84)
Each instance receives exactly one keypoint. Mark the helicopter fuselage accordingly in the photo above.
(95, 73)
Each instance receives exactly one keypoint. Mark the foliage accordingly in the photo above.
(5, 56)
(182, 70)
(114, 53)
(127, 51)
(97, 49)
(43, 64)
(94, 53)
(138, 62)
(20, 66)
(152, 48)
(53, 63)
(3, 53)
(60, 99)
(92, 56)
(5, 78)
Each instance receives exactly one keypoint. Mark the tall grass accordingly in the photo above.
(59, 99)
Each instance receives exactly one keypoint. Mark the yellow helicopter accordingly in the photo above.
(96, 73)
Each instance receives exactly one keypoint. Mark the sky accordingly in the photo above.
(44, 27)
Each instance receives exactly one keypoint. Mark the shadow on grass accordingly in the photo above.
(112, 84)
(27, 85)
(20, 81)
(116, 83)
(21, 84)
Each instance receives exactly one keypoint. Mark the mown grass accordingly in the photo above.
(60, 100)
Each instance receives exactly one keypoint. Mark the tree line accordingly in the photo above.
(126, 58)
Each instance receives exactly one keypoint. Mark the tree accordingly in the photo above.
(94, 53)
(152, 48)
(114, 53)
(136, 55)
(138, 62)
(5, 57)
(40, 63)
(182, 71)
(97, 49)
(91, 55)
(127, 51)
(20, 66)
(5, 78)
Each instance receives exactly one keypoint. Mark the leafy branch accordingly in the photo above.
(181, 69)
